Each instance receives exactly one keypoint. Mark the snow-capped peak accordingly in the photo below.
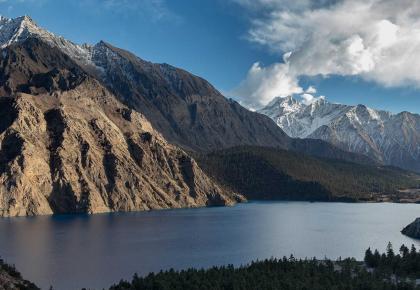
(387, 137)
(19, 29)
(282, 105)
(301, 118)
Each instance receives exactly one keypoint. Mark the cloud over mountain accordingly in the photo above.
(378, 40)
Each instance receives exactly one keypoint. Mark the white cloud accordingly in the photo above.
(308, 99)
(311, 90)
(262, 83)
(378, 40)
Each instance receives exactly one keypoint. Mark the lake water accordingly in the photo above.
(71, 252)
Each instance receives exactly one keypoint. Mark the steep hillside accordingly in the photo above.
(268, 173)
(186, 109)
(190, 112)
(68, 145)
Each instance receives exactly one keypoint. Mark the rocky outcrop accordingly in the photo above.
(69, 146)
(11, 279)
(413, 229)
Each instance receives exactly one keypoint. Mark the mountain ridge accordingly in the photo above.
(69, 146)
(186, 109)
(392, 139)
(110, 131)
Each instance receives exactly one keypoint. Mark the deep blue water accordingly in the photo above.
(71, 252)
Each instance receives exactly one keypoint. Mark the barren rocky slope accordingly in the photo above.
(67, 145)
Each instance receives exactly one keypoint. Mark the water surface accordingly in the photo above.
(75, 251)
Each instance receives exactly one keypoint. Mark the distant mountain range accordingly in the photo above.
(392, 139)
(96, 129)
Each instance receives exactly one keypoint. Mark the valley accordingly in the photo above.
(112, 165)
(273, 174)
(97, 129)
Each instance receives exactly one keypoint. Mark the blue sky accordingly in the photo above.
(220, 40)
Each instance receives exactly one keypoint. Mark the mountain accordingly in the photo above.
(185, 109)
(69, 145)
(95, 129)
(189, 111)
(268, 173)
(392, 139)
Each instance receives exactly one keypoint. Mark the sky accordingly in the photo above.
(350, 51)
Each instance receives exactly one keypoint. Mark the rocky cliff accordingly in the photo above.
(68, 145)
(413, 229)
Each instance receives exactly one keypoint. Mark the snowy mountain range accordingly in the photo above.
(393, 139)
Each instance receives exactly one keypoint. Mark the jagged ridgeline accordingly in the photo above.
(184, 108)
(388, 138)
(69, 145)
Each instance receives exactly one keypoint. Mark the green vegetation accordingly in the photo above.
(268, 173)
(404, 264)
(288, 273)
(388, 270)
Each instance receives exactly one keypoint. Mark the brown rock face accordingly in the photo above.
(67, 145)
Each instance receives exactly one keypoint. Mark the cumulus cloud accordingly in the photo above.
(262, 83)
(378, 40)
(310, 90)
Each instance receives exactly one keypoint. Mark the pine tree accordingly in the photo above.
(390, 252)
(404, 251)
(369, 258)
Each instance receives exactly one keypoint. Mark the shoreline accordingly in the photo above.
(378, 200)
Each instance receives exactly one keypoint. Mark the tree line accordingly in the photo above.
(379, 271)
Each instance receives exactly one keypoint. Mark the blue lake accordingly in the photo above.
(75, 251)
